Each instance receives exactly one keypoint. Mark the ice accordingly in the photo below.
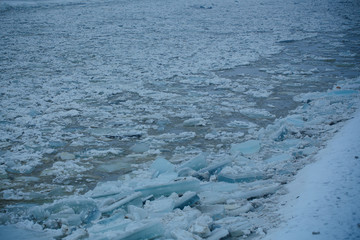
(65, 156)
(215, 168)
(159, 207)
(77, 235)
(114, 166)
(211, 198)
(218, 233)
(239, 178)
(256, 113)
(140, 147)
(180, 234)
(255, 193)
(280, 158)
(194, 122)
(196, 163)
(178, 187)
(100, 112)
(137, 213)
(11, 232)
(241, 124)
(127, 199)
(247, 148)
(128, 230)
(219, 187)
(201, 226)
(98, 231)
(188, 199)
(185, 172)
(119, 215)
(343, 92)
(216, 211)
(73, 212)
(148, 230)
(237, 226)
(237, 209)
(161, 165)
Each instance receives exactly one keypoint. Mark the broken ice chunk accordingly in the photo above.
(201, 226)
(77, 234)
(185, 172)
(237, 209)
(344, 92)
(161, 165)
(159, 207)
(178, 187)
(219, 187)
(305, 152)
(140, 147)
(116, 226)
(216, 167)
(114, 165)
(216, 211)
(237, 226)
(279, 158)
(147, 230)
(256, 113)
(194, 122)
(137, 213)
(73, 211)
(218, 233)
(119, 215)
(180, 234)
(239, 178)
(244, 162)
(248, 147)
(196, 163)
(211, 197)
(65, 156)
(257, 192)
(120, 203)
(188, 199)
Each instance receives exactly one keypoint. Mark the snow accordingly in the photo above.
(323, 200)
(166, 119)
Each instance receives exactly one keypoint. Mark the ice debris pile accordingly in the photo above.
(165, 202)
(209, 196)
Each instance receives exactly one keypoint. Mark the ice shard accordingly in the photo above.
(215, 168)
(149, 230)
(216, 211)
(237, 226)
(255, 193)
(278, 158)
(188, 199)
(246, 148)
(239, 178)
(179, 187)
(74, 211)
(161, 165)
(196, 163)
(122, 202)
(218, 234)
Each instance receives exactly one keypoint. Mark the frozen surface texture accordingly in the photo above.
(323, 201)
(170, 119)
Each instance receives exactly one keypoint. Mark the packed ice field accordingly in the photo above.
(166, 119)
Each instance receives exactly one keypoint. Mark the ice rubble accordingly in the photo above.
(201, 198)
(210, 196)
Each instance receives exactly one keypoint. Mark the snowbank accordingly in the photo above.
(323, 200)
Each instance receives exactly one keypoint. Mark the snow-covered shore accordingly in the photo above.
(166, 119)
(323, 200)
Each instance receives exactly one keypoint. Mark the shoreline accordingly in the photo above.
(323, 200)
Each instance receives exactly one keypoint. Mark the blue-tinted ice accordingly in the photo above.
(131, 91)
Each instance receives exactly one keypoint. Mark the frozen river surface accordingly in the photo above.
(229, 97)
